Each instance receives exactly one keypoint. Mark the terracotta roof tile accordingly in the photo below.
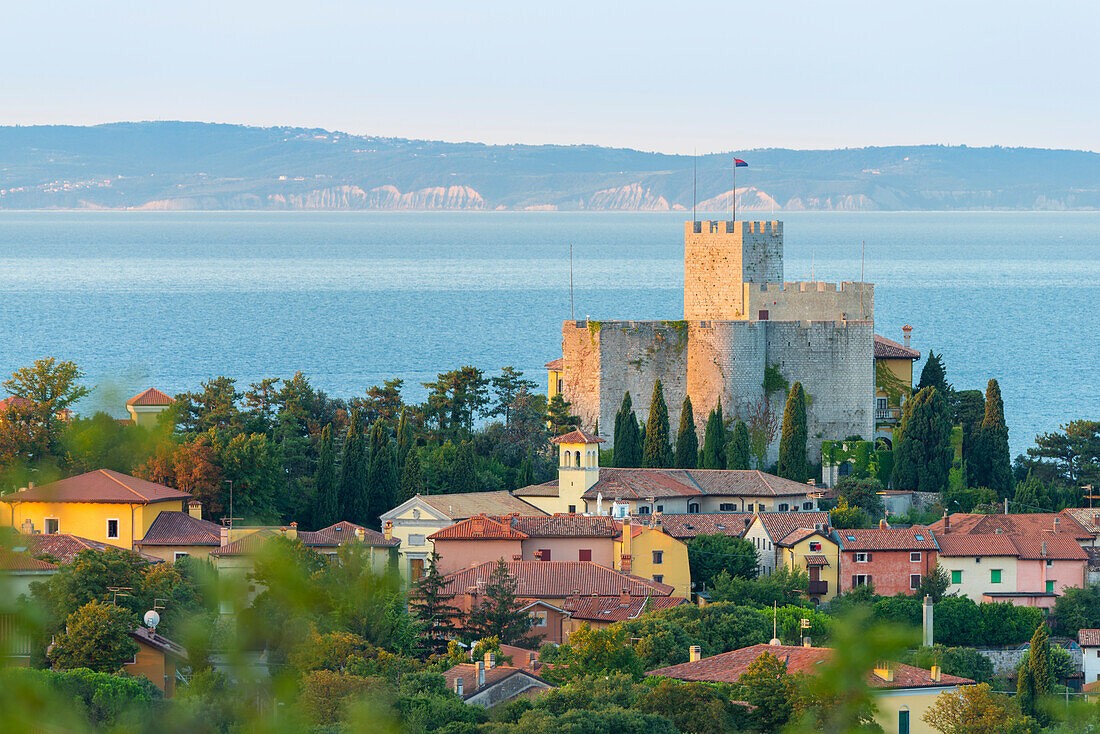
(889, 349)
(546, 489)
(781, 524)
(468, 673)
(152, 396)
(14, 401)
(179, 528)
(12, 561)
(886, 539)
(1087, 518)
(463, 505)
(613, 609)
(799, 534)
(746, 483)
(1055, 546)
(566, 526)
(480, 527)
(975, 544)
(246, 546)
(101, 485)
(578, 435)
(1016, 524)
(65, 547)
(817, 560)
(715, 523)
(558, 579)
(616, 483)
(343, 532)
(555, 364)
(1088, 637)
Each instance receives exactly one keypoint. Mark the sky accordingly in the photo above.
(671, 77)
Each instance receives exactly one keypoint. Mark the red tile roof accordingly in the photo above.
(566, 526)
(977, 544)
(781, 524)
(578, 435)
(246, 546)
(615, 483)
(343, 532)
(179, 528)
(65, 547)
(613, 609)
(15, 401)
(152, 396)
(480, 527)
(1086, 517)
(730, 666)
(12, 561)
(746, 482)
(800, 534)
(716, 523)
(555, 364)
(817, 561)
(558, 580)
(101, 485)
(1088, 638)
(493, 676)
(546, 489)
(886, 539)
(1023, 523)
(1055, 546)
(889, 349)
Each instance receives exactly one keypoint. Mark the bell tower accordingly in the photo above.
(578, 467)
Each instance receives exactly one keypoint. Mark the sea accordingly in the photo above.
(170, 299)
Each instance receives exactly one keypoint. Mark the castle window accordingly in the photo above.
(727, 507)
(763, 315)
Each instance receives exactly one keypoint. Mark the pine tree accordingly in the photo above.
(405, 439)
(352, 489)
(934, 375)
(687, 441)
(498, 614)
(327, 508)
(792, 443)
(658, 451)
(381, 474)
(1032, 496)
(922, 444)
(989, 463)
(432, 608)
(714, 440)
(739, 451)
(464, 474)
(561, 421)
(412, 478)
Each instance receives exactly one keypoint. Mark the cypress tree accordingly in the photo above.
(989, 464)
(1034, 681)
(687, 441)
(525, 476)
(352, 489)
(629, 436)
(922, 443)
(405, 438)
(934, 374)
(381, 474)
(412, 478)
(792, 444)
(619, 448)
(714, 440)
(464, 475)
(1032, 496)
(658, 450)
(739, 451)
(327, 509)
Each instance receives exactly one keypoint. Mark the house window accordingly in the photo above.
(783, 507)
(956, 577)
(1050, 587)
(914, 581)
(416, 540)
(880, 403)
(807, 505)
(112, 529)
(861, 579)
(51, 525)
(561, 384)
(572, 509)
(914, 557)
(660, 508)
(542, 554)
(178, 555)
(693, 508)
(727, 507)
(863, 557)
(658, 578)
(643, 510)
(749, 507)
(994, 575)
(1049, 563)
(658, 557)
(903, 721)
(585, 554)
(815, 546)
(538, 619)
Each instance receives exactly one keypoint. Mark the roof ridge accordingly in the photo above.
(107, 473)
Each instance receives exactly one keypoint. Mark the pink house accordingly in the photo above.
(1047, 565)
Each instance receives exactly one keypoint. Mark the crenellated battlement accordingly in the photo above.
(807, 286)
(726, 227)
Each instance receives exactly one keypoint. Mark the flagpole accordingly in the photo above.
(735, 188)
(694, 181)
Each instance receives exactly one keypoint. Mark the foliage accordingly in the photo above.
(934, 375)
(561, 420)
(325, 694)
(1033, 681)
(657, 452)
(1077, 609)
(431, 605)
(326, 509)
(103, 442)
(687, 441)
(934, 584)
(977, 710)
(965, 662)
(454, 400)
(598, 651)
(352, 487)
(922, 447)
(663, 638)
(783, 587)
(627, 438)
(709, 555)
(792, 443)
(1032, 496)
(381, 475)
(700, 708)
(1069, 456)
(768, 686)
(739, 450)
(862, 493)
(860, 456)
(103, 700)
(53, 387)
(845, 516)
(96, 637)
(498, 614)
(988, 461)
(506, 388)
(714, 440)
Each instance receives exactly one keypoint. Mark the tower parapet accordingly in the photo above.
(721, 256)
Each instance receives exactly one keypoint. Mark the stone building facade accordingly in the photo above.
(740, 319)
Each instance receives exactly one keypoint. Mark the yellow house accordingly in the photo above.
(146, 406)
(652, 554)
(811, 550)
(893, 382)
(555, 375)
(103, 505)
(174, 535)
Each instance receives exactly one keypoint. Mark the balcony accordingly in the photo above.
(817, 588)
(888, 415)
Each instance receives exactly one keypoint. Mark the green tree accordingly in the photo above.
(739, 450)
(934, 584)
(989, 464)
(862, 493)
(845, 516)
(1032, 496)
(977, 710)
(627, 438)
(505, 389)
(965, 662)
(498, 614)
(709, 555)
(657, 452)
(561, 420)
(87, 578)
(327, 509)
(768, 686)
(1033, 679)
(599, 652)
(412, 478)
(783, 587)
(1077, 609)
(52, 387)
(455, 399)
(352, 489)
(699, 708)
(934, 374)
(464, 473)
(687, 441)
(714, 440)
(432, 608)
(381, 474)
(792, 442)
(252, 464)
(1070, 456)
(97, 637)
(922, 447)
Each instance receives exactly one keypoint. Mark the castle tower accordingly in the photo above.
(578, 467)
(720, 257)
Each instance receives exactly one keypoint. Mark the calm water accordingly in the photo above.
(170, 299)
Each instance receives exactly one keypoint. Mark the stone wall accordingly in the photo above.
(726, 362)
(816, 301)
(719, 257)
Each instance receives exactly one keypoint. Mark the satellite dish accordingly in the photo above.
(152, 619)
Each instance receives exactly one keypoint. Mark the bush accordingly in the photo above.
(102, 699)
(961, 661)
(325, 694)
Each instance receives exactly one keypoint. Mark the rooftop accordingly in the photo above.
(1088, 638)
(152, 396)
(886, 539)
(342, 532)
(497, 674)
(717, 523)
(464, 505)
(481, 527)
(615, 609)
(555, 364)
(175, 527)
(557, 579)
(13, 561)
(1022, 523)
(578, 435)
(158, 642)
(65, 547)
(101, 485)
(889, 349)
(779, 525)
(640, 484)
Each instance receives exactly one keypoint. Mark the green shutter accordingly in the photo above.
(903, 722)
(1050, 587)
(956, 577)
(995, 576)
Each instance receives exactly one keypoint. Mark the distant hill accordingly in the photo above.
(188, 165)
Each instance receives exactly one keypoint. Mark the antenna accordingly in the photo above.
(694, 180)
(570, 282)
(811, 262)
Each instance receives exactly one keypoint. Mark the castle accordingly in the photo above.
(744, 333)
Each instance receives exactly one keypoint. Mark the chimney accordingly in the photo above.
(926, 619)
(946, 522)
(1043, 553)
(477, 527)
(30, 485)
(292, 533)
(471, 598)
(806, 642)
(1056, 523)
(695, 653)
(936, 674)
(194, 509)
(458, 686)
(624, 598)
(884, 671)
(490, 660)
(360, 534)
(625, 558)
(27, 528)
(225, 535)
(387, 530)
(883, 525)
(480, 674)
(1096, 520)
(906, 333)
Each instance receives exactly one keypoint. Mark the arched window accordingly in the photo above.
(566, 457)
(578, 459)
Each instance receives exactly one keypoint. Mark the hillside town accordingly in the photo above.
(825, 542)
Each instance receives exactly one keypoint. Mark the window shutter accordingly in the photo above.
(868, 557)
(853, 581)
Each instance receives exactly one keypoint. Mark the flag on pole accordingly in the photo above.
(738, 163)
